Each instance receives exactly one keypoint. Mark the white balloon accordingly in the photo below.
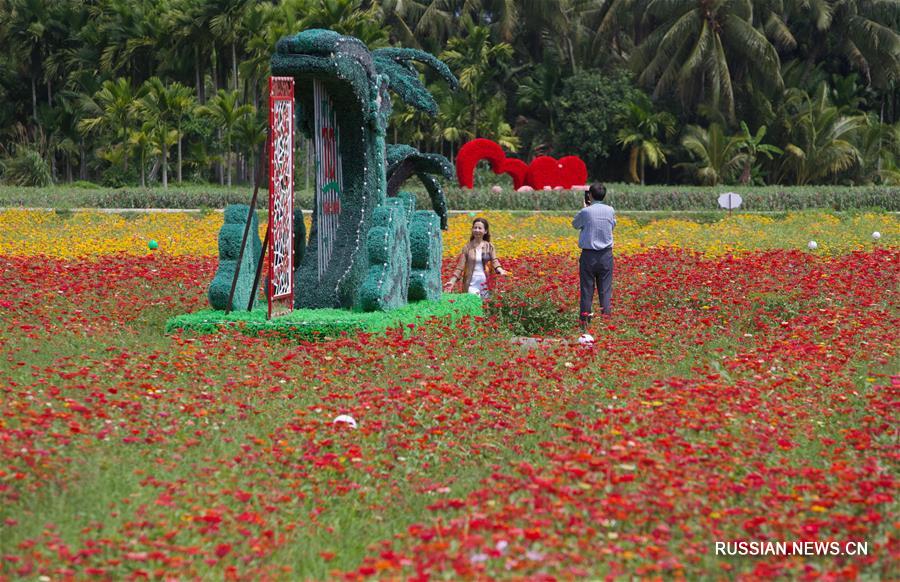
(876, 235)
(812, 245)
(345, 419)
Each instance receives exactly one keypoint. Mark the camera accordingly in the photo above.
(587, 198)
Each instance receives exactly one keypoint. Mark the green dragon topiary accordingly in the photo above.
(384, 251)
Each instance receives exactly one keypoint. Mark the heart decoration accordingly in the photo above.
(543, 172)
(517, 169)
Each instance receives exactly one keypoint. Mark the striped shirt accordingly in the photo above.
(596, 223)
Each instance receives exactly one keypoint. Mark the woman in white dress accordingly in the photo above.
(476, 261)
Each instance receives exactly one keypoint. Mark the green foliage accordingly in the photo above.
(319, 324)
(717, 157)
(588, 110)
(526, 313)
(641, 130)
(26, 167)
(79, 70)
(820, 138)
(231, 236)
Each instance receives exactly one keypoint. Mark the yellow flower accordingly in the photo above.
(514, 234)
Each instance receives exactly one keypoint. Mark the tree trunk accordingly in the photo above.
(179, 154)
(34, 99)
(234, 70)
(632, 165)
(572, 55)
(143, 172)
(228, 163)
(165, 162)
(220, 166)
(642, 168)
(82, 159)
(198, 78)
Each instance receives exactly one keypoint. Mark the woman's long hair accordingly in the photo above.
(487, 229)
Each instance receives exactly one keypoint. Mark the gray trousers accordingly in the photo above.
(595, 269)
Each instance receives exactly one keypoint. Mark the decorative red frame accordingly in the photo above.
(280, 229)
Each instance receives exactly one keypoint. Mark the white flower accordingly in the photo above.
(496, 189)
(812, 245)
(876, 235)
(586, 339)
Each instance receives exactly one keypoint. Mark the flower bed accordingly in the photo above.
(732, 396)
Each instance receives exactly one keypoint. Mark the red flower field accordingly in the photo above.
(738, 398)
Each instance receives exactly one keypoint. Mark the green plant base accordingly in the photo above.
(320, 324)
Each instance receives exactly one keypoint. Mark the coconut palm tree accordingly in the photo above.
(641, 131)
(696, 49)
(717, 157)
(751, 147)
(821, 139)
(864, 33)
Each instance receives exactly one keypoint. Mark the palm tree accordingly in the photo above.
(478, 63)
(640, 133)
(225, 111)
(348, 17)
(820, 138)
(129, 36)
(561, 29)
(109, 113)
(182, 104)
(717, 157)
(751, 146)
(141, 141)
(537, 100)
(250, 132)
(158, 109)
(864, 33)
(226, 27)
(879, 147)
(27, 30)
(187, 23)
(697, 48)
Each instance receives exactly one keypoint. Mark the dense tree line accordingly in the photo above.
(699, 91)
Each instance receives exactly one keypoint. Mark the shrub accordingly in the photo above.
(526, 313)
(27, 168)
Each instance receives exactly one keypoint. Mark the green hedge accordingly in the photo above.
(622, 196)
(317, 324)
(647, 198)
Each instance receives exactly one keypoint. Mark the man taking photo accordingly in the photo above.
(596, 222)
